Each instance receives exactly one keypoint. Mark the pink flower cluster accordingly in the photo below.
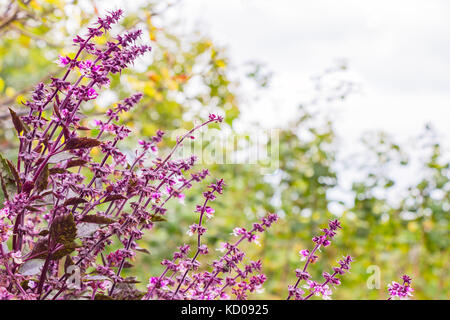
(401, 291)
(315, 288)
(183, 278)
(64, 207)
(63, 204)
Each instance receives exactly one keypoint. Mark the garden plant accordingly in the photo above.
(75, 205)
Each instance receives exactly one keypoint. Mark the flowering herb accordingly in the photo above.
(400, 291)
(63, 207)
(330, 280)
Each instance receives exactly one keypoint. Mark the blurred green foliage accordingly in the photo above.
(186, 77)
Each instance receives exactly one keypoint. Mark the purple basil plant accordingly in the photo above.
(64, 209)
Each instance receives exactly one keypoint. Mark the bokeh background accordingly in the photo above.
(358, 91)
